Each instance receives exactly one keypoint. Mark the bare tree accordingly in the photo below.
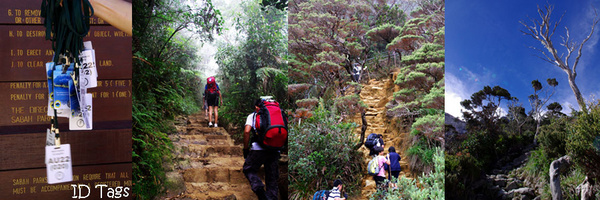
(537, 102)
(543, 29)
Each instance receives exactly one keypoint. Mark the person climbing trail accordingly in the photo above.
(380, 177)
(264, 151)
(336, 193)
(393, 166)
(374, 140)
(212, 95)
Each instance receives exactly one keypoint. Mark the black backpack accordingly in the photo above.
(371, 140)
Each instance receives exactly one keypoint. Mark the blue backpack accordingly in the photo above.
(321, 195)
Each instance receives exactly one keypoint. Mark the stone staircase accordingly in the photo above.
(376, 94)
(207, 164)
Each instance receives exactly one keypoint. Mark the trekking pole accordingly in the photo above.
(389, 170)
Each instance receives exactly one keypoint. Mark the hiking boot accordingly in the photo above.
(215, 125)
(210, 124)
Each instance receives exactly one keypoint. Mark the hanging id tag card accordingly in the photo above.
(49, 76)
(61, 90)
(73, 97)
(50, 138)
(82, 120)
(88, 75)
(59, 164)
(88, 46)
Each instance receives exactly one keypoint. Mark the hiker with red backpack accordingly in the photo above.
(212, 93)
(268, 125)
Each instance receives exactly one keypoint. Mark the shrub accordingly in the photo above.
(583, 145)
(322, 150)
(552, 137)
(432, 185)
(161, 92)
(462, 169)
(538, 166)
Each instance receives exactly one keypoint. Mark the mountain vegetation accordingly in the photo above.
(336, 47)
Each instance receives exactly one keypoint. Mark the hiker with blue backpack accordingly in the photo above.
(334, 194)
(265, 134)
(393, 166)
(212, 95)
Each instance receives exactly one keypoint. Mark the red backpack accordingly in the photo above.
(211, 88)
(271, 126)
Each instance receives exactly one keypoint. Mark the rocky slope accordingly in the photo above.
(376, 94)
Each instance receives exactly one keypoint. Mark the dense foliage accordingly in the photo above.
(322, 150)
(336, 46)
(164, 85)
(420, 100)
(584, 145)
(254, 65)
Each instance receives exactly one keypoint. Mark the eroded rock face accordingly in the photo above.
(376, 94)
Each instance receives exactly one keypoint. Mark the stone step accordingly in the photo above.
(214, 175)
(376, 130)
(213, 150)
(369, 113)
(374, 110)
(220, 191)
(206, 139)
(221, 161)
(197, 130)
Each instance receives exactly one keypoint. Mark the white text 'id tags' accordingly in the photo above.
(59, 164)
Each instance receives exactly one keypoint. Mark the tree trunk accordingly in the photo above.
(363, 129)
(558, 165)
(576, 91)
(586, 188)
(537, 131)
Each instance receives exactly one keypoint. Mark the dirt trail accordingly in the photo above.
(208, 165)
(376, 94)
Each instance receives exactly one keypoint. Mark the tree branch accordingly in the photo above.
(596, 20)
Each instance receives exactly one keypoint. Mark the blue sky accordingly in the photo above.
(485, 46)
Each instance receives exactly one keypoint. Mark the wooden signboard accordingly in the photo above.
(25, 51)
(101, 156)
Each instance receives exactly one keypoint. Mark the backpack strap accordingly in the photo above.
(254, 121)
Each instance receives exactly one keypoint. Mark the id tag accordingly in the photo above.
(82, 120)
(50, 138)
(61, 89)
(59, 164)
(88, 75)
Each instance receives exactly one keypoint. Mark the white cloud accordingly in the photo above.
(501, 112)
(454, 94)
